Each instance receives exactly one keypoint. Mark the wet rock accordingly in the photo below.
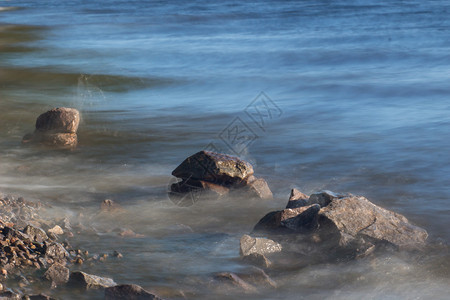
(214, 167)
(297, 199)
(87, 281)
(236, 281)
(56, 251)
(212, 175)
(128, 292)
(263, 246)
(59, 120)
(56, 127)
(35, 233)
(290, 219)
(257, 277)
(57, 274)
(356, 219)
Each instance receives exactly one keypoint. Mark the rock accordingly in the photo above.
(290, 219)
(109, 205)
(250, 245)
(56, 230)
(257, 277)
(198, 189)
(323, 198)
(356, 219)
(35, 233)
(236, 281)
(258, 188)
(57, 274)
(56, 251)
(59, 120)
(57, 128)
(83, 280)
(257, 259)
(38, 297)
(9, 295)
(297, 199)
(214, 167)
(128, 292)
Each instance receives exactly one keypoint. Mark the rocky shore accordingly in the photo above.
(324, 227)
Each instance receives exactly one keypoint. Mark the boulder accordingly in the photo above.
(35, 233)
(214, 167)
(212, 175)
(263, 246)
(57, 274)
(356, 219)
(128, 292)
(56, 127)
(87, 281)
(59, 120)
(56, 251)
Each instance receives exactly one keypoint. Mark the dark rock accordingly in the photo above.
(356, 219)
(323, 198)
(38, 297)
(290, 219)
(297, 199)
(59, 120)
(57, 128)
(35, 233)
(57, 274)
(9, 295)
(214, 167)
(83, 280)
(128, 292)
(236, 281)
(263, 246)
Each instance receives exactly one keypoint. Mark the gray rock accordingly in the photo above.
(263, 246)
(214, 167)
(257, 277)
(35, 233)
(356, 219)
(257, 259)
(323, 198)
(87, 281)
(128, 292)
(56, 251)
(57, 274)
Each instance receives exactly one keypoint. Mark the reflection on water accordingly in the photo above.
(364, 110)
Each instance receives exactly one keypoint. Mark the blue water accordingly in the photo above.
(360, 92)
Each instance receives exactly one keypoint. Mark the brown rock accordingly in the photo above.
(257, 259)
(259, 188)
(214, 167)
(35, 233)
(59, 120)
(128, 292)
(350, 219)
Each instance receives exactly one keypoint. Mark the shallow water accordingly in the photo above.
(359, 97)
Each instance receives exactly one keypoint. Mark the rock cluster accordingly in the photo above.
(210, 174)
(331, 223)
(57, 128)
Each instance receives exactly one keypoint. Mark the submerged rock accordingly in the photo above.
(56, 127)
(212, 175)
(128, 292)
(87, 281)
(235, 281)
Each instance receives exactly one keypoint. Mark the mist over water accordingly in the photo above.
(363, 95)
